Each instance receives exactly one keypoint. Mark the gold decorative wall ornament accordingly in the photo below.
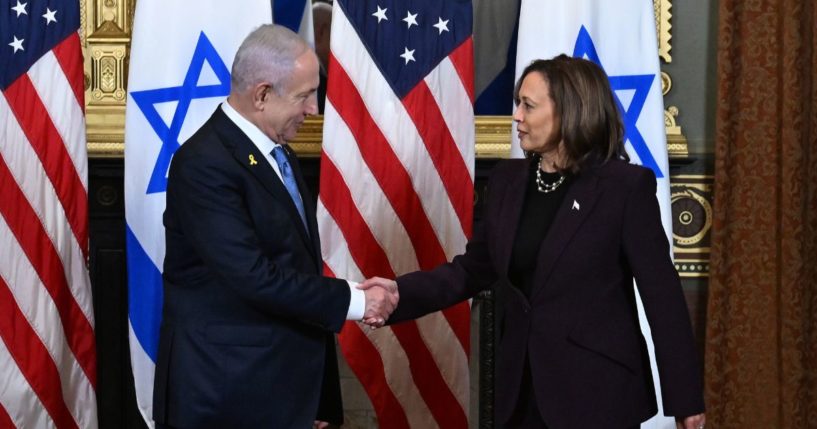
(105, 29)
(663, 28)
(691, 197)
(307, 142)
(492, 135)
(677, 146)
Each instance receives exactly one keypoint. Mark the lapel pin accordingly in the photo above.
(576, 205)
(252, 160)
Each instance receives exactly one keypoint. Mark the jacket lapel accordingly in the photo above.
(249, 157)
(511, 210)
(576, 207)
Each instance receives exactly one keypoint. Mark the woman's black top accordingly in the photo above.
(538, 212)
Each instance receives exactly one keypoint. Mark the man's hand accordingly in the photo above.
(382, 297)
(692, 422)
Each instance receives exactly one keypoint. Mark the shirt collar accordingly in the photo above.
(258, 138)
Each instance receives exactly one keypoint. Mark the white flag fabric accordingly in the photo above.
(620, 36)
(179, 72)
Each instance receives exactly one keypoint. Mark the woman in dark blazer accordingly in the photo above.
(564, 234)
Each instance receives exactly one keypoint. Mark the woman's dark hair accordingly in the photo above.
(589, 120)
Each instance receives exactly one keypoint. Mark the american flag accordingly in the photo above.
(47, 352)
(396, 191)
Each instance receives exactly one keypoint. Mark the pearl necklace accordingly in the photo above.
(546, 188)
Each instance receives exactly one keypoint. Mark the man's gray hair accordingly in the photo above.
(268, 54)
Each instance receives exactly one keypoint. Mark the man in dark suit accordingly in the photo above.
(247, 331)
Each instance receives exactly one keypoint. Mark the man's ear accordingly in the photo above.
(260, 93)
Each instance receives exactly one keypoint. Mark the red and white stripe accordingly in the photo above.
(47, 352)
(396, 196)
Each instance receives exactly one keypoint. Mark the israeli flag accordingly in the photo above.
(181, 56)
(620, 36)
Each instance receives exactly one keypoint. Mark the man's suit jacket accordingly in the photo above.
(246, 337)
(588, 359)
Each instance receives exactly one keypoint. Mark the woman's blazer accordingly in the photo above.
(588, 360)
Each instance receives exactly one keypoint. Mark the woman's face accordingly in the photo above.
(535, 116)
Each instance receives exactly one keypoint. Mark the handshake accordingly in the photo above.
(381, 300)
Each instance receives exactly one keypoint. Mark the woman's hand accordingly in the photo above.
(692, 422)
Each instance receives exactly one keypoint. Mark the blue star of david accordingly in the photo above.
(184, 94)
(640, 83)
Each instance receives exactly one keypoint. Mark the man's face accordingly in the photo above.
(286, 109)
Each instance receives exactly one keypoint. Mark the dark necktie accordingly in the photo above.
(289, 180)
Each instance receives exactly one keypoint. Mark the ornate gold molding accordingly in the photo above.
(663, 28)
(691, 197)
(112, 147)
(677, 146)
(106, 27)
(492, 134)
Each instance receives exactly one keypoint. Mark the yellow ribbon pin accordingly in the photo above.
(252, 160)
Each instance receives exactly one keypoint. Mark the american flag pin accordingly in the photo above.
(576, 205)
